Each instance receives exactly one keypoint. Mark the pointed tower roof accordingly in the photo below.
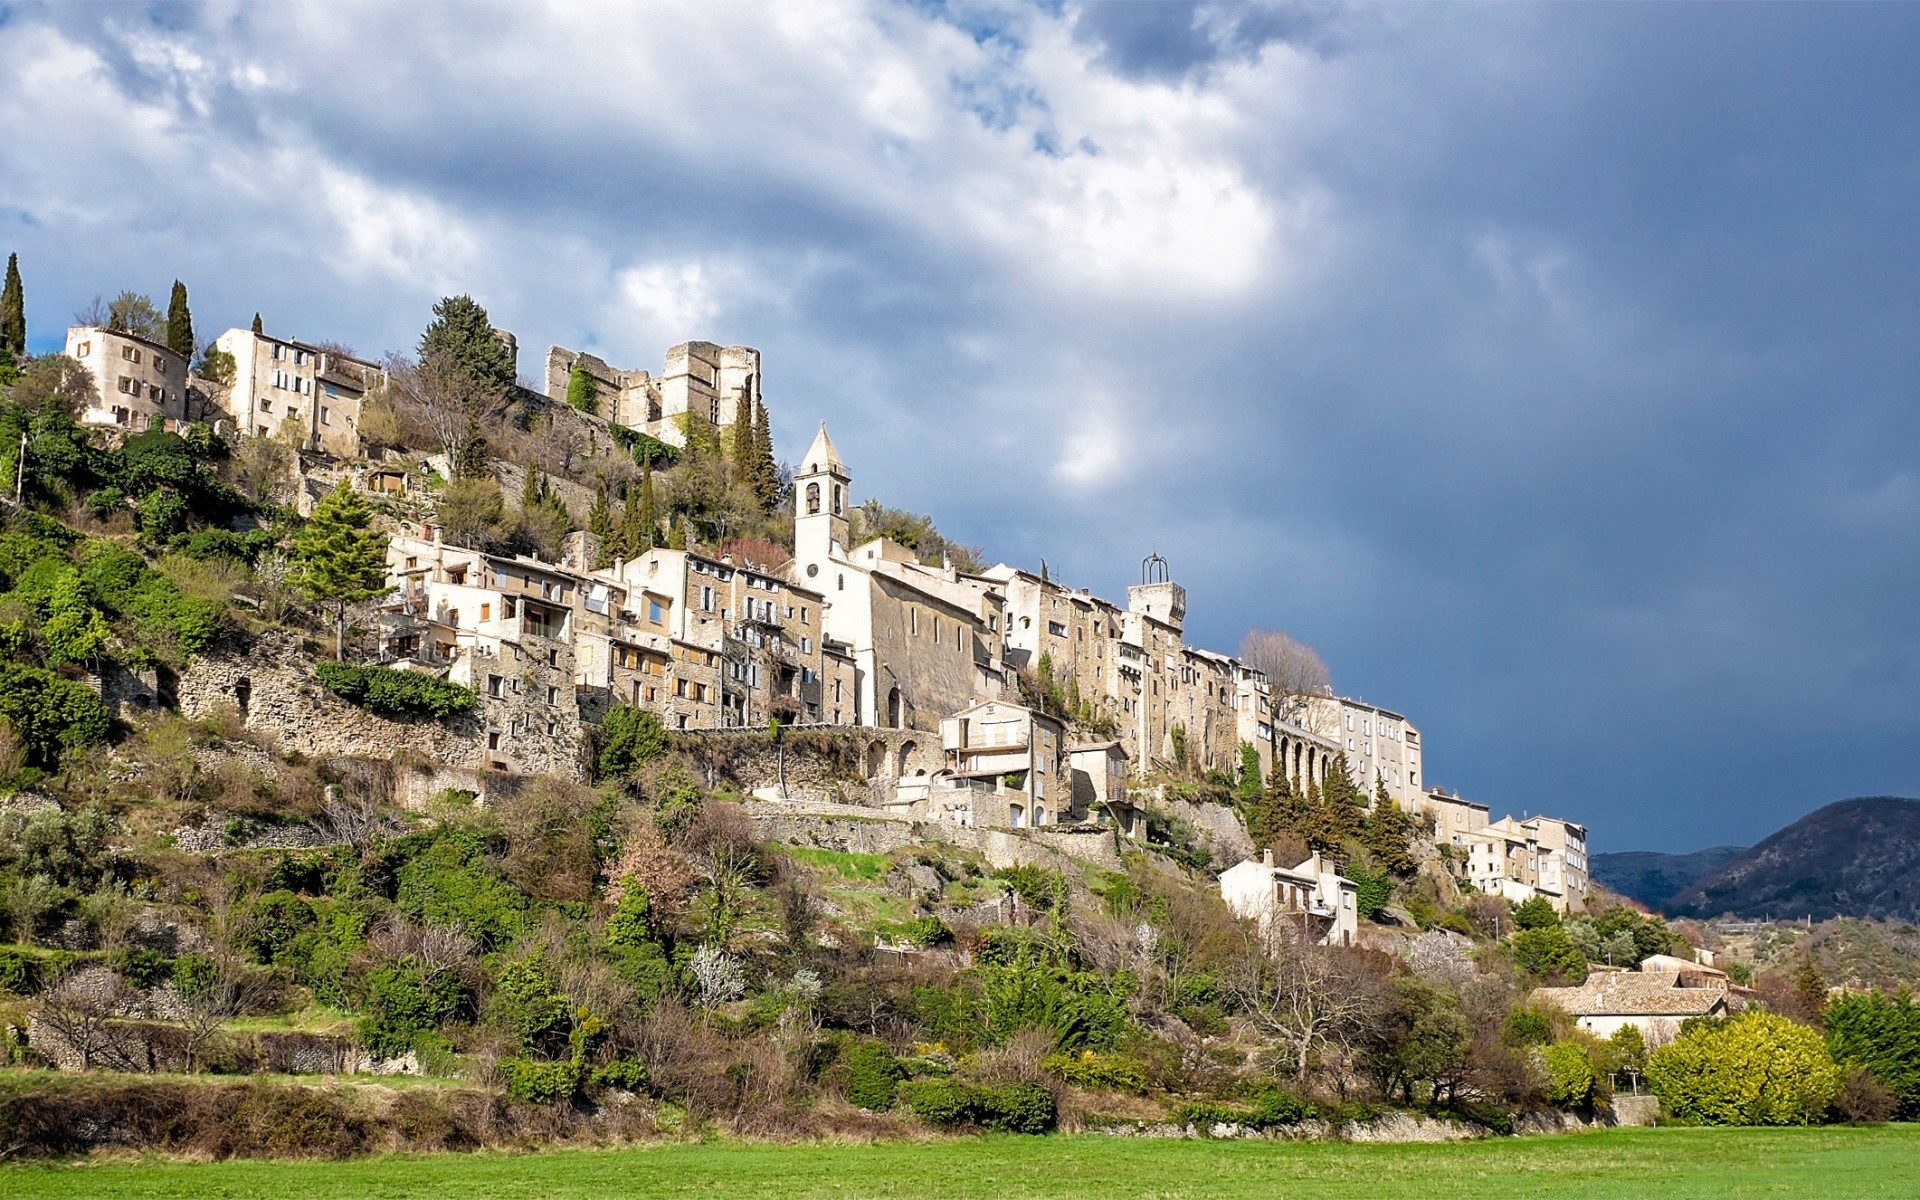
(821, 456)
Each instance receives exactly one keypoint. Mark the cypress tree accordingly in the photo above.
(533, 489)
(1341, 802)
(642, 526)
(766, 473)
(179, 322)
(257, 327)
(600, 518)
(740, 446)
(677, 536)
(13, 311)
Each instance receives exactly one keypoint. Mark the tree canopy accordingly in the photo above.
(339, 557)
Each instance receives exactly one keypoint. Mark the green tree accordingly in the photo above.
(766, 474)
(462, 333)
(130, 312)
(470, 512)
(1548, 953)
(75, 631)
(339, 558)
(1572, 1079)
(1882, 1034)
(257, 326)
(641, 520)
(1387, 834)
(13, 312)
(600, 525)
(217, 365)
(179, 322)
(1247, 789)
(1536, 913)
(49, 714)
(582, 392)
(533, 489)
(1758, 1068)
(740, 457)
(1342, 803)
(629, 738)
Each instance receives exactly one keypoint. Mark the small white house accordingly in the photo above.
(1324, 902)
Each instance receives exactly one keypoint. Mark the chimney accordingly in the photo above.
(1266, 858)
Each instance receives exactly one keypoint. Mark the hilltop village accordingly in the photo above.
(557, 739)
(1013, 700)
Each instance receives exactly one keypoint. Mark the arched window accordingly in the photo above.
(813, 499)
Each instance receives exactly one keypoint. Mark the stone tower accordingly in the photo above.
(820, 489)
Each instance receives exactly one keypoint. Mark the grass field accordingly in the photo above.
(1671, 1164)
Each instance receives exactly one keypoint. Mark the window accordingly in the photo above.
(655, 613)
(913, 622)
(553, 696)
(706, 599)
(160, 366)
(326, 415)
(130, 354)
(494, 686)
(486, 612)
(508, 607)
(813, 499)
(83, 349)
(713, 411)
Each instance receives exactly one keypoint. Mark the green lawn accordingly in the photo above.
(1669, 1164)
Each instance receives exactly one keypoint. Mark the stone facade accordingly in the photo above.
(308, 395)
(136, 381)
(702, 384)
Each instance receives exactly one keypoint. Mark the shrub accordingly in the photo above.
(402, 999)
(50, 715)
(1571, 1080)
(1536, 913)
(1757, 1069)
(1002, 1107)
(622, 1073)
(541, 1082)
(1881, 1034)
(1102, 1072)
(1863, 1099)
(873, 1075)
(630, 738)
(1271, 1108)
(927, 930)
(391, 693)
(1548, 953)
(19, 971)
(942, 1102)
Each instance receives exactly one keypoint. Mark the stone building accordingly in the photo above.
(309, 395)
(1382, 747)
(504, 627)
(922, 640)
(135, 380)
(1322, 902)
(702, 383)
(1454, 817)
(1538, 856)
(1002, 764)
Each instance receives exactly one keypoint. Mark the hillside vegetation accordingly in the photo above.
(1853, 858)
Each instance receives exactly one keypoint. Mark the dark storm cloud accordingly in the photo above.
(1553, 369)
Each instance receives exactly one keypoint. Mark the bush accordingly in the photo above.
(400, 1000)
(1756, 1069)
(541, 1082)
(1002, 1107)
(1271, 1108)
(50, 715)
(630, 738)
(1881, 1034)
(391, 693)
(873, 1075)
(1571, 1080)
(1863, 1099)
(622, 1073)
(927, 930)
(1536, 913)
(1548, 953)
(1099, 1072)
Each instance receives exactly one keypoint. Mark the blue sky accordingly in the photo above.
(1551, 368)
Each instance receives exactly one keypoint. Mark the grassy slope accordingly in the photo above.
(1670, 1163)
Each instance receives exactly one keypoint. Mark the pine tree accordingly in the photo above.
(257, 326)
(340, 558)
(533, 489)
(766, 471)
(1388, 834)
(740, 447)
(179, 322)
(462, 332)
(13, 312)
(1342, 803)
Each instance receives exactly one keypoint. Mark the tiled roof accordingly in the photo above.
(1634, 994)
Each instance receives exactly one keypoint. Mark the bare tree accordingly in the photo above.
(78, 1006)
(219, 985)
(1319, 1002)
(449, 401)
(1293, 669)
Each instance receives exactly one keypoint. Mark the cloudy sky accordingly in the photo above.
(1551, 368)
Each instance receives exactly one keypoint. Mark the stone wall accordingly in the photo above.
(839, 764)
(866, 831)
(273, 689)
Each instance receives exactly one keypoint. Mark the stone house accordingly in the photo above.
(135, 380)
(306, 394)
(1323, 902)
(1098, 771)
(1538, 856)
(1454, 817)
(1654, 1002)
(502, 626)
(1002, 764)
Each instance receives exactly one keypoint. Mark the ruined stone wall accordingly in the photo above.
(841, 764)
(861, 831)
(272, 687)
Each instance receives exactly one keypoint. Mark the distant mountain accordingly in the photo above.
(1653, 878)
(1855, 858)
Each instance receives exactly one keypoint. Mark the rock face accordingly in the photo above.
(1855, 858)
(1654, 879)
